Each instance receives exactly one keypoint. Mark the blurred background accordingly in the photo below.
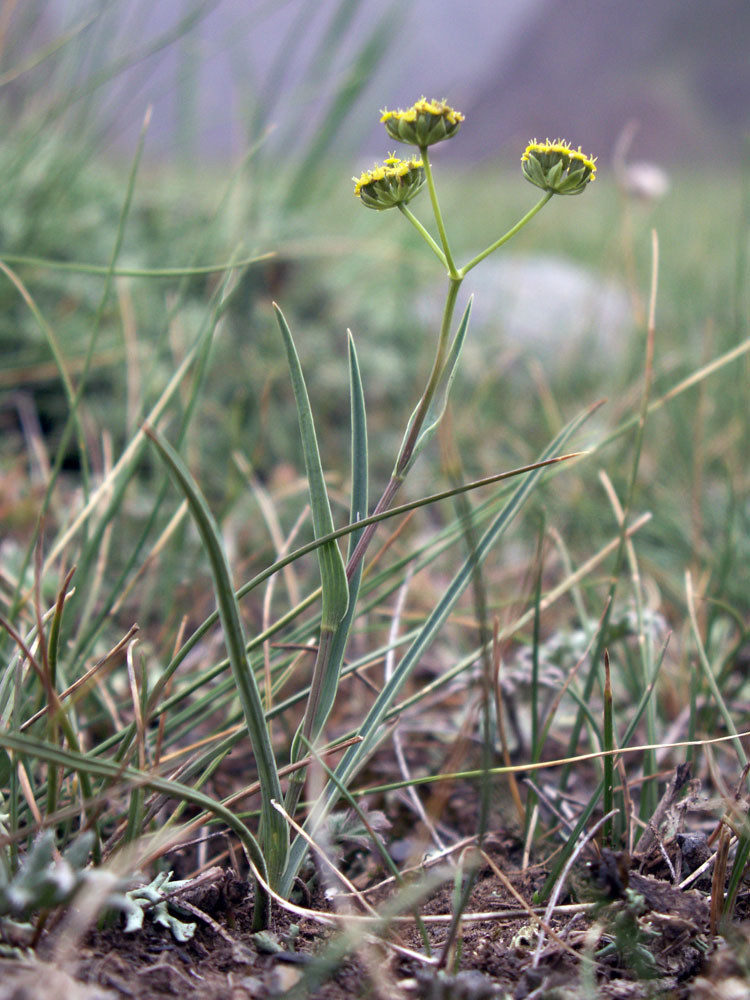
(136, 244)
(518, 68)
(263, 110)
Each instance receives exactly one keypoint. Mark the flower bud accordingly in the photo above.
(555, 167)
(394, 182)
(423, 124)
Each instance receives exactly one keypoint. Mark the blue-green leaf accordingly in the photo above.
(357, 510)
(335, 590)
(274, 834)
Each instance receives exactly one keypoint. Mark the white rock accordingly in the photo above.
(545, 307)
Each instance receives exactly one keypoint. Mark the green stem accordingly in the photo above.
(438, 215)
(407, 448)
(509, 235)
(424, 234)
(434, 379)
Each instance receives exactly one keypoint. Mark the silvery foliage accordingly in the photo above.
(47, 880)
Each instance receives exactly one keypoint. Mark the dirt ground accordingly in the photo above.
(617, 932)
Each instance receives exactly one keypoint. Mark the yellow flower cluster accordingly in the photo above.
(426, 107)
(423, 124)
(393, 182)
(553, 166)
(557, 167)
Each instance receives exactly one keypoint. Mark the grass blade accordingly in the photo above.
(708, 672)
(340, 109)
(608, 762)
(333, 580)
(358, 506)
(273, 827)
(332, 570)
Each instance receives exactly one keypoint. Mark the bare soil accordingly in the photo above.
(642, 938)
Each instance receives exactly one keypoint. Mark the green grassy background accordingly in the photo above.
(336, 265)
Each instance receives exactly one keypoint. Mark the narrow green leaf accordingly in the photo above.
(360, 475)
(741, 858)
(333, 582)
(81, 267)
(709, 673)
(335, 589)
(608, 763)
(274, 834)
(357, 510)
